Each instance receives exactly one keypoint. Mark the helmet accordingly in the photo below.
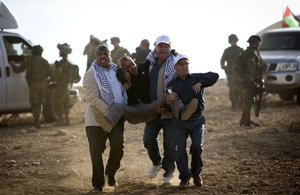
(37, 49)
(254, 38)
(64, 48)
(115, 39)
(232, 37)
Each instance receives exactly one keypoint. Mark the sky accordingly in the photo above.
(198, 29)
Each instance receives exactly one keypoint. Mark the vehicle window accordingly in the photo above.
(16, 48)
(281, 41)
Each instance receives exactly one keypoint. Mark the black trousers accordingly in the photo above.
(97, 142)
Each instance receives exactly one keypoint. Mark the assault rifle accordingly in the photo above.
(259, 90)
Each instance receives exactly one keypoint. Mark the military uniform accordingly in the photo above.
(118, 51)
(38, 71)
(62, 100)
(252, 69)
(230, 56)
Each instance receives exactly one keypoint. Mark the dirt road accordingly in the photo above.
(237, 160)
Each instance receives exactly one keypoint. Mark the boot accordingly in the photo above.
(67, 119)
(37, 123)
(187, 111)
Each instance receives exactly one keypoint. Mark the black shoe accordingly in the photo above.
(96, 190)
(111, 181)
(184, 184)
(197, 180)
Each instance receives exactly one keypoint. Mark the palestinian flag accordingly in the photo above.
(289, 19)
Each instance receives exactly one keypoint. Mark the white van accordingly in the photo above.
(14, 92)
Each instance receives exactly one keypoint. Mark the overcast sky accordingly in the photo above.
(198, 29)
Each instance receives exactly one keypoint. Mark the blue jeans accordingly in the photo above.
(97, 138)
(151, 133)
(195, 129)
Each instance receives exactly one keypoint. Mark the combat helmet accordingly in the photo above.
(232, 37)
(115, 39)
(64, 48)
(37, 50)
(254, 38)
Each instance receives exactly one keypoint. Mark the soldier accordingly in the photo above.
(38, 71)
(141, 52)
(118, 51)
(251, 75)
(230, 56)
(62, 102)
(89, 50)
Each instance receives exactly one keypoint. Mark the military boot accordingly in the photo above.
(67, 119)
(37, 123)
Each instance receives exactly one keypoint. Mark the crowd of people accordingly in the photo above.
(158, 90)
(154, 87)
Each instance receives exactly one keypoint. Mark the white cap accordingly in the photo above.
(162, 39)
(179, 57)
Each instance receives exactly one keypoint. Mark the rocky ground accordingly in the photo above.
(237, 160)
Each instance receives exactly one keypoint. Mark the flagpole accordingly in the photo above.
(283, 10)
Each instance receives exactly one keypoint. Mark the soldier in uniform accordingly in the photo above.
(38, 71)
(228, 63)
(89, 50)
(251, 75)
(118, 51)
(62, 101)
(141, 52)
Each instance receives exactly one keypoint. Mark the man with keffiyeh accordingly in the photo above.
(104, 96)
(161, 70)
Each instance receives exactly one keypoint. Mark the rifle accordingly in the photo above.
(259, 90)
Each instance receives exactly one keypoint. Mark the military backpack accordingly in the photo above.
(73, 75)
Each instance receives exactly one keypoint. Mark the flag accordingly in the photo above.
(289, 19)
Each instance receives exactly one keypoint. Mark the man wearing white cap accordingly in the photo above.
(187, 87)
(161, 70)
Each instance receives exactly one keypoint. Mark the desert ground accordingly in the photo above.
(237, 160)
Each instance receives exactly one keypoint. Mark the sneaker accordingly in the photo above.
(184, 184)
(96, 190)
(168, 180)
(154, 171)
(197, 180)
(187, 111)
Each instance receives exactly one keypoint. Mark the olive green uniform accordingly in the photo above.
(252, 67)
(38, 70)
(117, 53)
(62, 101)
(230, 56)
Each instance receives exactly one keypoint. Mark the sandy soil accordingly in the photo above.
(237, 160)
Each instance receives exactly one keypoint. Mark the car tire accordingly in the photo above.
(286, 96)
(48, 109)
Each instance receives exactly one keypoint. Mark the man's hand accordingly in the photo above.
(171, 97)
(197, 87)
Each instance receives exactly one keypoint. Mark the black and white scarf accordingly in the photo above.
(105, 91)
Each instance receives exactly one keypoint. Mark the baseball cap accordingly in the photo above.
(162, 39)
(179, 57)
